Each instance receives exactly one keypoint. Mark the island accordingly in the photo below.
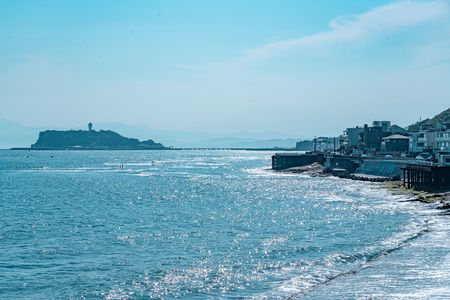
(90, 140)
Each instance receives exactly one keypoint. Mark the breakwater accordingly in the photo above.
(283, 161)
(368, 165)
(415, 174)
(351, 164)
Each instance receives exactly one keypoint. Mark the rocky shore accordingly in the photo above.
(397, 188)
(317, 170)
(394, 185)
(313, 170)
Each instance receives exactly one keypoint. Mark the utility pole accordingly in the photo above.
(315, 144)
(334, 146)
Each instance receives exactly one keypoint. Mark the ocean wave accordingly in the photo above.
(267, 172)
(213, 278)
(48, 170)
(308, 276)
(136, 164)
(146, 174)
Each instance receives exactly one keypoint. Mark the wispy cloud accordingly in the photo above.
(386, 18)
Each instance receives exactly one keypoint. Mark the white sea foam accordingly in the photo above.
(330, 268)
(146, 174)
(136, 164)
(267, 172)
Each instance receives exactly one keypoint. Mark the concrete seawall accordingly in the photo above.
(365, 165)
(282, 161)
(388, 168)
(415, 174)
(343, 162)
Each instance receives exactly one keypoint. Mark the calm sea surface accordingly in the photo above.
(168, 224)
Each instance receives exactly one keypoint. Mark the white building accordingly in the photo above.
(442, 140)
(435, 141)
(421, 141)
(327, 144)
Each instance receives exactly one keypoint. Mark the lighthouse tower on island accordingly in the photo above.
(90, 125)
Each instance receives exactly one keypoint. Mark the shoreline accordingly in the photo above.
(147, 149)
(395, 187)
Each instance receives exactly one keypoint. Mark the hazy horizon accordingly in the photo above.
(14, 134)
(301, 69)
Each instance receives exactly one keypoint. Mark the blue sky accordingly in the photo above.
(301, 68)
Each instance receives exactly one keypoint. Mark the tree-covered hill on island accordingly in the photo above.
(91, 140)
(443, 117)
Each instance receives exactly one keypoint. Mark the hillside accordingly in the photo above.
(91, 140)
(304, 145)
(440, 118)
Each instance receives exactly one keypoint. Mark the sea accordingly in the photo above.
(208, 225)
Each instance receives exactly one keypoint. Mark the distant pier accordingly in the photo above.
(420, 177)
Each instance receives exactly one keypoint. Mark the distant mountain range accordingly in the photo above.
(231, 142)
(14, 134)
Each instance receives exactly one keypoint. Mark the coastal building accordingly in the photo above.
(385, 125)
(395, 143)
(434, 140)
(420, 141)
(395, 129)
(442, 140)
(353, 136)
(431, 139)
(326, 144)
(427, 140)
(442, 143)
(372, 136)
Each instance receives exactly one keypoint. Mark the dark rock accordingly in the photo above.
(444, 206)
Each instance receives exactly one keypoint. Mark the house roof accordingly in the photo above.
(396, 127)
(396, 137)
